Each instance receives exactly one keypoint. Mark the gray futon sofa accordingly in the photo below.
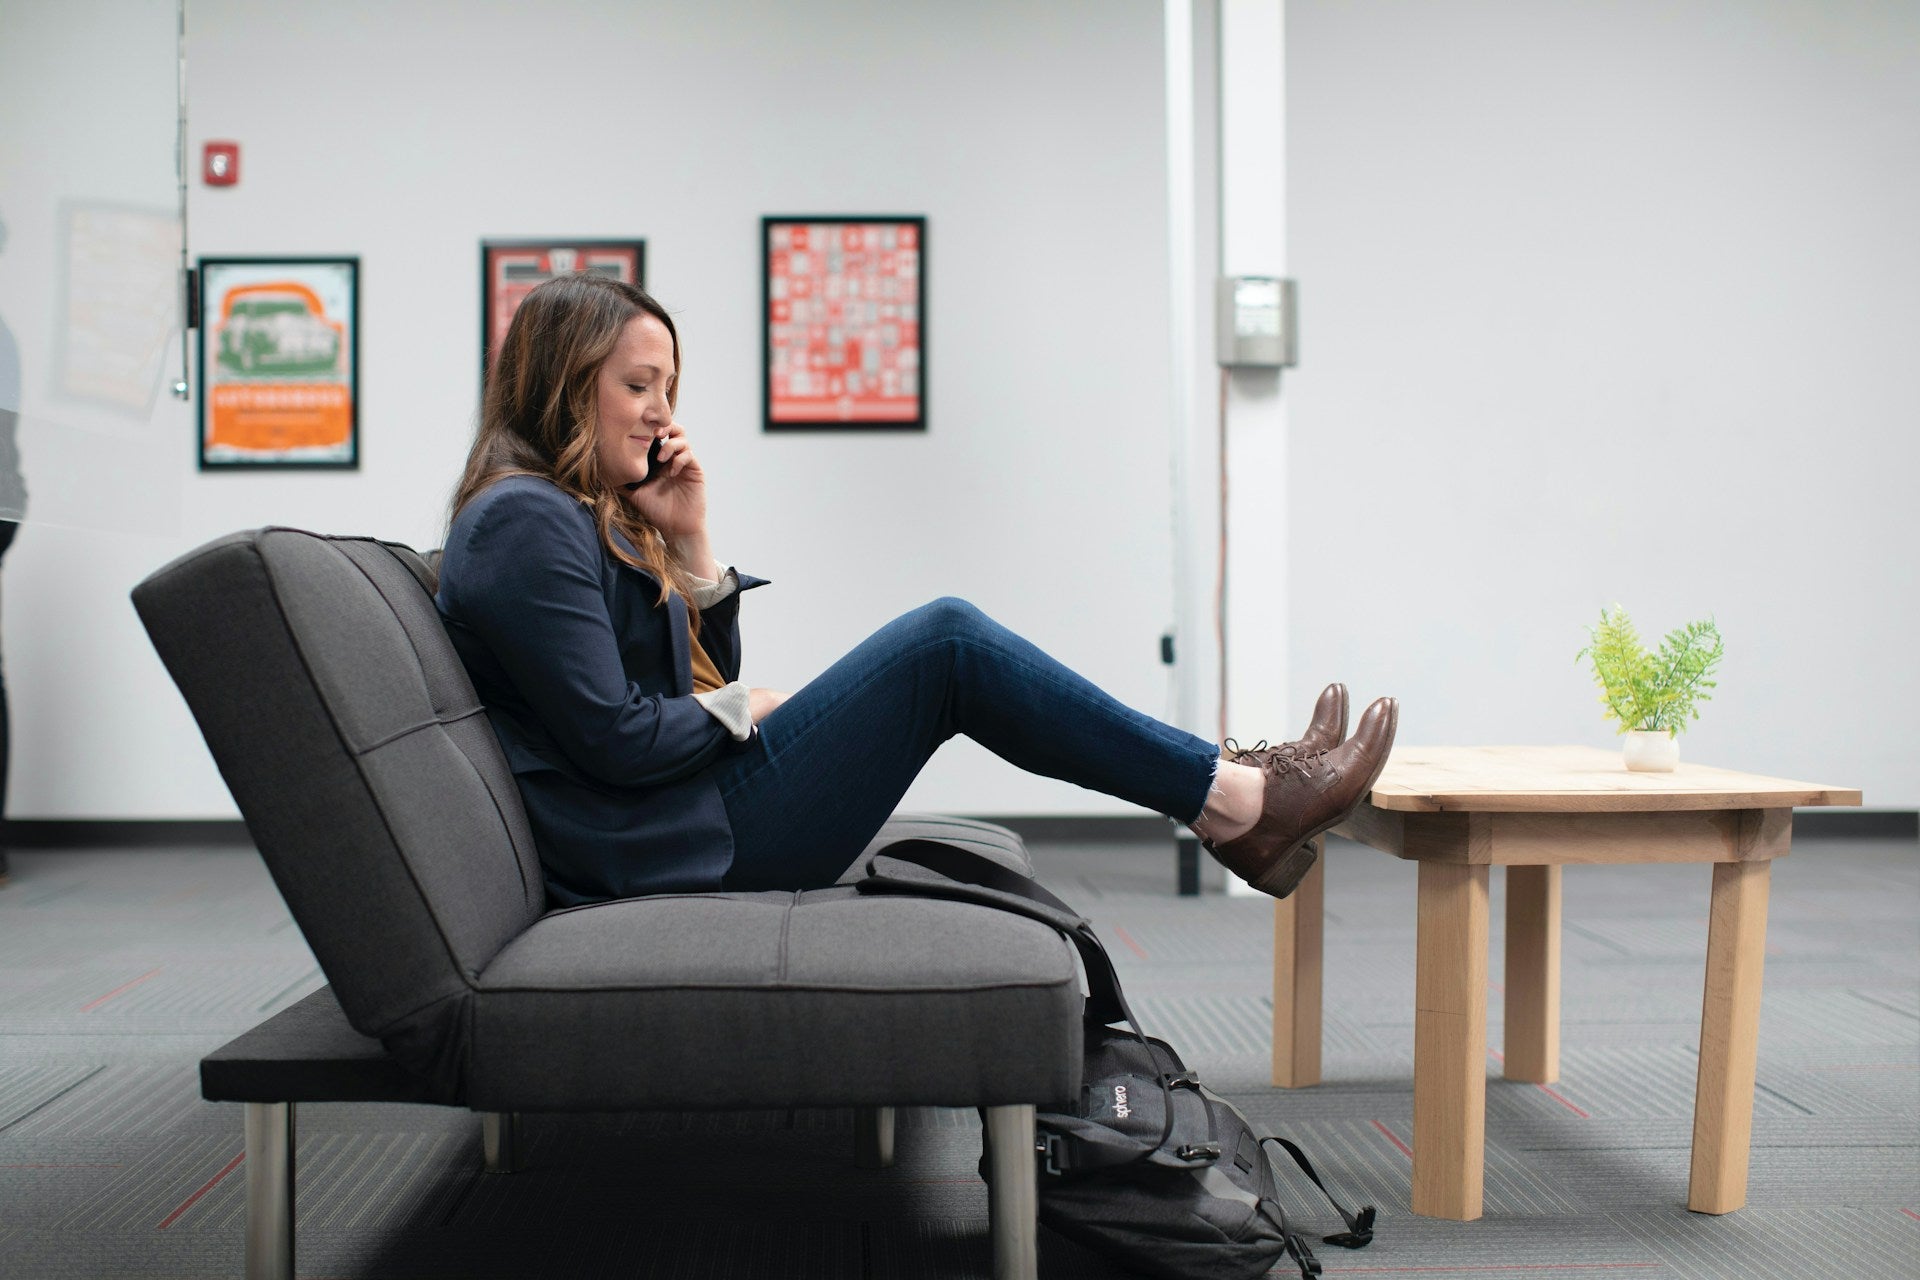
(353, 743)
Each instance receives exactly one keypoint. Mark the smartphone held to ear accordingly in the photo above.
(653, 465)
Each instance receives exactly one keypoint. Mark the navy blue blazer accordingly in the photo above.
(588, 684)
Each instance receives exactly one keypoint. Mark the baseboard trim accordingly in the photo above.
(157, 833)
(1858, 824)
(1090, 829)
(125, 833)
(73, 833)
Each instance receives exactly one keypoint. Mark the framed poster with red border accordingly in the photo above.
(279, 363)
(844, 323)
(510, 269)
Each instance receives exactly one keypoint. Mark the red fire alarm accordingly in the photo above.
(221, 165)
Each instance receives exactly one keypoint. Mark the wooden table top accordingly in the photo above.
(1575, 780)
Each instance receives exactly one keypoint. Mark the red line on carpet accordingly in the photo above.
(1911, 1214)
(1405, 1150)
(125, 986)
(1131, 944)
(173, 1217)
(1543, 1266)
(1550, 1093)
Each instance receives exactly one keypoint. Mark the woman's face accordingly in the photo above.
(633, 385)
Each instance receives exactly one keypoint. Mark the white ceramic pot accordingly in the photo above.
(1655, 751)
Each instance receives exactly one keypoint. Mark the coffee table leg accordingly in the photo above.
(1450, 1042)
(1533, 974)
(1298, 928)
(1729, 1035)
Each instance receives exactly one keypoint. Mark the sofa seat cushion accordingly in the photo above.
(823, 998)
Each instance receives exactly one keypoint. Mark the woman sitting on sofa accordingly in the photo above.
(581, 591)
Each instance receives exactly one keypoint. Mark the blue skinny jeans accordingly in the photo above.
(831, 763)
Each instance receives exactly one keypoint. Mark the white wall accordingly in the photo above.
(1031, 135)
(1610, 302)
(1564, 269)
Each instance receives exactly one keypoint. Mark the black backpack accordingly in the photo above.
(1147, 1166)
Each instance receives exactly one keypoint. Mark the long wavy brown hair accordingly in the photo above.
(539, 415)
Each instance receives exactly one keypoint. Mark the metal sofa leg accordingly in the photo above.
(1013, 1193)
(873, 1137)
(269, 1191)
(500, 1140)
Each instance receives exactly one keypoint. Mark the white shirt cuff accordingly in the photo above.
(707, 593)
(728, 704)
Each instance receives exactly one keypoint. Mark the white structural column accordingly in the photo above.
(1192, 44)
(1253, 242)
(1226, 214)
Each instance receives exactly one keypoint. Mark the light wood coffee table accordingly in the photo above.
(1458, 811)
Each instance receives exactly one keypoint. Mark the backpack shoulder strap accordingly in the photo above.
(927, 868)
(1359, 1232)
(968, 867)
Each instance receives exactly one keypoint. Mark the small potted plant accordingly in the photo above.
(1652, 695)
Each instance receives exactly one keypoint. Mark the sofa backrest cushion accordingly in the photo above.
(347, 730)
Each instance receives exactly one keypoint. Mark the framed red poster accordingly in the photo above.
(509, 270)
(279, 362)
(844, 305)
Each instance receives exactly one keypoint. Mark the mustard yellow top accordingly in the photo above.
(706, 676)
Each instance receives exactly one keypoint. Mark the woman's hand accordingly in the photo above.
(676, 502)
(763, 702)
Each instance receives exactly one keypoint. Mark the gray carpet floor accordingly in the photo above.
(118, 968)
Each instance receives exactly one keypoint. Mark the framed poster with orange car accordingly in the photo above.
(279, 363)
(510, 269)
(843, 314)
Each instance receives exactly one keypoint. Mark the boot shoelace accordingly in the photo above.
(1288, 756)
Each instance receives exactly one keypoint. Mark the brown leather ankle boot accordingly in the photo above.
(1307, 793)
(1327, 730)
